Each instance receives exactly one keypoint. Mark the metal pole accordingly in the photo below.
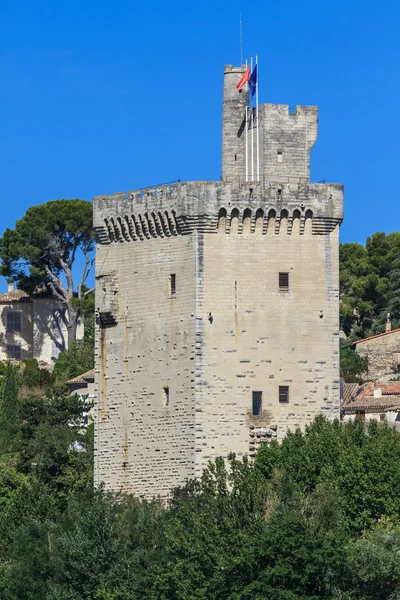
(252, 128)
(258, 139)
(241, 40)
(247, 145)
(247, 142)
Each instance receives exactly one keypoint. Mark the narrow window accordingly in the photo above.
(283, 393)
(257, 403)
(172, 284)
(14, 321)
(382, 418)
(279, 157)
(360, 415)
(284, 282)
(165, 394)
(14, 351)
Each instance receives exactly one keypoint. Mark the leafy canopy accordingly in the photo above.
(45, 242)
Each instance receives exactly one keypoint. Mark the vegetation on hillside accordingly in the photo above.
(315, 518)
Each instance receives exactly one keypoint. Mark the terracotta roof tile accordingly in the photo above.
(82, 378)
(349, 389)
(374, 336)
(13, 296)
(370, 404)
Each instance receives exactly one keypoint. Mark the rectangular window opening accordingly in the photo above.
(283, 393)
(279, 157)
(257, 403)
(14, 321)
(14, 351)
(165, 395)
(172, 284)
(284, 282)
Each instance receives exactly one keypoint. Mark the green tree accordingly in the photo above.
(42, 249)
(353, 367)
(368, 283)
(9, 409)
(361, 463)
(74, 361)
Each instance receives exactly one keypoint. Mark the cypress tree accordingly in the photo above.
(9, 421)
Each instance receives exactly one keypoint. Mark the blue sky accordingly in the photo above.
(100, 97)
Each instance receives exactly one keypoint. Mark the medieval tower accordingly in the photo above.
(217, 305)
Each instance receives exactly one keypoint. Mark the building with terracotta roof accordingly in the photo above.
(382, 351)
(32, 327)
(379, 400)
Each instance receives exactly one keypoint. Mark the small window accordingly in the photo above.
(279, 157)
(360, 415)
(165, 394)
(283, 393)
(14, 321)
(382, 418)
(284, 282)
(14, 351)
(257, 403)
(172, 284)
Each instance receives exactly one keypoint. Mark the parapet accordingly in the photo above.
(183, 208)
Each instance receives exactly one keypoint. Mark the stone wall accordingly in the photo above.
(286, 137)
(383, 354)
(226, 331)
(24, 338)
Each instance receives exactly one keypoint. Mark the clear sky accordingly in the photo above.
(107, 96)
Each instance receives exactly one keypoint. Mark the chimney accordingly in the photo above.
(11, 286)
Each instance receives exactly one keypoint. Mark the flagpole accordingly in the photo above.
(241, 40)
(252, 128)
(247, 143)
(258, 140)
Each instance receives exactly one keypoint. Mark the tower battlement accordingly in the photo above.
(185, 207)
(286, 137)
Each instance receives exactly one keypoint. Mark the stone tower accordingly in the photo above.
(217, 307)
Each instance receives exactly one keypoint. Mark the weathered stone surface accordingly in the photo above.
(228, 330)
(382, 352)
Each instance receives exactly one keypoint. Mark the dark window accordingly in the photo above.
(257, 403)
(14, 351)
(382, 417)
(283, 393)
(284, 281)
(14, 321)
(172, 284)
(165, 395)
(360, 415)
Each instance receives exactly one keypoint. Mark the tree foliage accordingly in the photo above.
(370, 284)
(74, 361)
(315, 517)
(353, 367)
(41, 252)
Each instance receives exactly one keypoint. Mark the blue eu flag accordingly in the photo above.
(253, 81)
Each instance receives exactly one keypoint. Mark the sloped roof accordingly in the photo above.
(13, 296)
(349, 389)
(374, 336)
(389, 388)
(82, 378)
(363, 397)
